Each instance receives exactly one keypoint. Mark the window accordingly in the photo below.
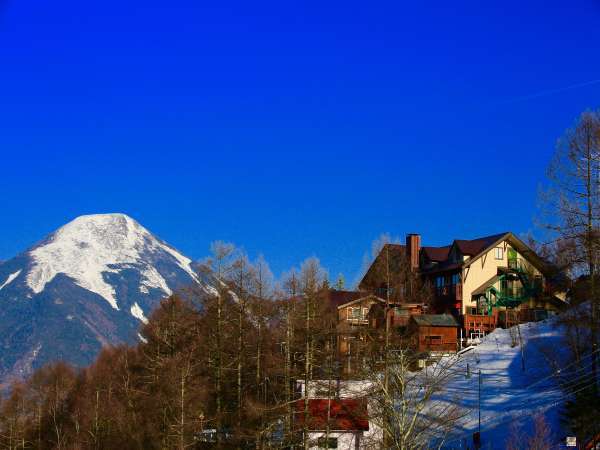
(499, 253)
(439, 281)
(456, 278)
(357, 313)
(327, 442)
(354, 313)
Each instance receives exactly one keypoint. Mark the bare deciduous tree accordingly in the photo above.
(408, 406)
(572, 205)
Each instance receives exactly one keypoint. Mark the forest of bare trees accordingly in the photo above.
(214, 370)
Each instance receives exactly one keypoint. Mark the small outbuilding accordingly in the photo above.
(434, 332)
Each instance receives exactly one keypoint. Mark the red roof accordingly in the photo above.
(344, 414)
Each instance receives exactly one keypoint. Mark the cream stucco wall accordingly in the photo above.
(484, 268)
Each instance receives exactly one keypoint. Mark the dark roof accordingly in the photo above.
(344, 414)
(435, 320)
(444, 266)
(437, 253)
(336, 298)
(396, 253)
(473, 247)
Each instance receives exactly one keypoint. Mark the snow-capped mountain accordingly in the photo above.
(91, 283)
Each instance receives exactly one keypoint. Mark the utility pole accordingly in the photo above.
(477, 436)
(479, 404)
(521, 345)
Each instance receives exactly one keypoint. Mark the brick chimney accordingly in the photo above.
(413, 246)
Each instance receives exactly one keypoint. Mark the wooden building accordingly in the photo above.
(481, 282)
(334, 423)
(434, 333)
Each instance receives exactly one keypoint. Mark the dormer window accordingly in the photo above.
(499, 253)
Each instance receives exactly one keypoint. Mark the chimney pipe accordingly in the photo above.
(413, 247)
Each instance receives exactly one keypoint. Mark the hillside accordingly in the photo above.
(515, 386)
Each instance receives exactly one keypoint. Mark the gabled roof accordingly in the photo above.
(473, 247)
(531, 256)
(360, 299)
(437, 254)
(435, 320)
(344, 414)
(337, 298)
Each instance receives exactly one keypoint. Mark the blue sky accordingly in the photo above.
(290, 128)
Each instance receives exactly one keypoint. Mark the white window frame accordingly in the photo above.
(499, 253)
(351, 315)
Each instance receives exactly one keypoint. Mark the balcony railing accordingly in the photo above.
(358, 320)
(517, 264)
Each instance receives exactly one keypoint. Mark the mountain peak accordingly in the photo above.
(90, 247)
(89, 284)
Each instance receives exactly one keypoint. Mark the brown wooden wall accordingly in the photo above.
(439, 339)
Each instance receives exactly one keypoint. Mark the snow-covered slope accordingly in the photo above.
(517, 383)
(11, 277)
(91, 283)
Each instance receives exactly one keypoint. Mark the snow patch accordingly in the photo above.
(142, 338)
(138, 313)
(91, 246)
(10, 278)
(153, 279)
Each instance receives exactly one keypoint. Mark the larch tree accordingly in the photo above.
(261, 288)
(219, 266)
(312, 278)
(571, 212)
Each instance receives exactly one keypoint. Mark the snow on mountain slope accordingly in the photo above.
(90, 246)
(10, 278)
(515, 386)
(138, 313)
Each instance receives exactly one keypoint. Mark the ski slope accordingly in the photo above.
(517, 383)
